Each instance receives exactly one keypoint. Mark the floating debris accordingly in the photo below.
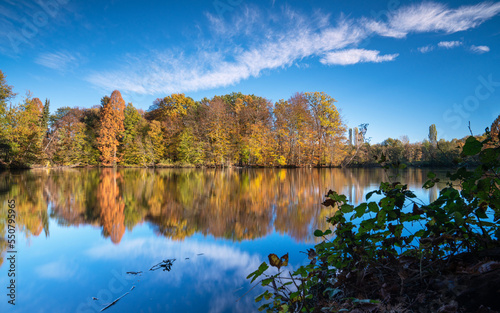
(114, 302)
(134, 273)
(200, 254)
(165, 264)
(94, 298)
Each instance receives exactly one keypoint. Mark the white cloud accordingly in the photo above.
(56, 270)
(353, 56)
(433, 17)
(59, 61)
(172, 71)
(480, 49)
(449, 44)
(246, 46)
(222, 267)
(426, 49)
(220, 256)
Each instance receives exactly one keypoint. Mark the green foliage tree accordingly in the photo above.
(189, 150)
(6, 94)
(155, 134)
(45, 115)
(433, 134)
(356, 136)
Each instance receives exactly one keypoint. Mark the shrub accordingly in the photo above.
(375, 263)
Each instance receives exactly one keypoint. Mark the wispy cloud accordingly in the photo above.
(480, 49)
(60, 61)
(449, 44)
(353, 56)
(433, 17)
(426, 49)
(247, 46)
(21, 22)
(453, 44)
(55, 270)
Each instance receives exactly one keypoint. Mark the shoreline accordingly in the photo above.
(175, 166)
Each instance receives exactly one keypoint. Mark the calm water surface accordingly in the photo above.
(79, 231)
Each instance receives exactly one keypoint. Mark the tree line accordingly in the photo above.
(233, 129)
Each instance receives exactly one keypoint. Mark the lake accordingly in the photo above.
(79, 231)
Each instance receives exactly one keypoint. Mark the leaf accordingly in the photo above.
(267, 295)
(417, 210)
(274, 260)
(370, 194)
(259, 297)
(373, 207)
(329, 202)
(284, 259)
(262, 268)
(472, 146)
(429, 184)
(459, 219)
(278, 262)
(346, 208)
(318, 233)
(489, 155)
(267, 281)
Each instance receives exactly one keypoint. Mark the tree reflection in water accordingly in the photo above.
(237, 204)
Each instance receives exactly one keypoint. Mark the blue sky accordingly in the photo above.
(397, 65)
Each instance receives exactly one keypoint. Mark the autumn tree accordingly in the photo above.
(328, 127)
(218, 124)
(189, 149)
(155, 134)
(253, 116)
(24, 133)
(293, 125)
(6, 94)
(111, 128)
(134, 151)
(67, 137)
(170, 111)
(495, 129)
(246, 112)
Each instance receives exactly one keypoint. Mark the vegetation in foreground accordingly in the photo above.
(398, 254)
(234, 129)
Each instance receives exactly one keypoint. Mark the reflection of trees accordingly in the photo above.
(71, 194)
(31, 206)
(233, 203)
(111, 205)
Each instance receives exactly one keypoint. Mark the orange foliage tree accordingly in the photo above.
(111, 128)
(111, 205)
